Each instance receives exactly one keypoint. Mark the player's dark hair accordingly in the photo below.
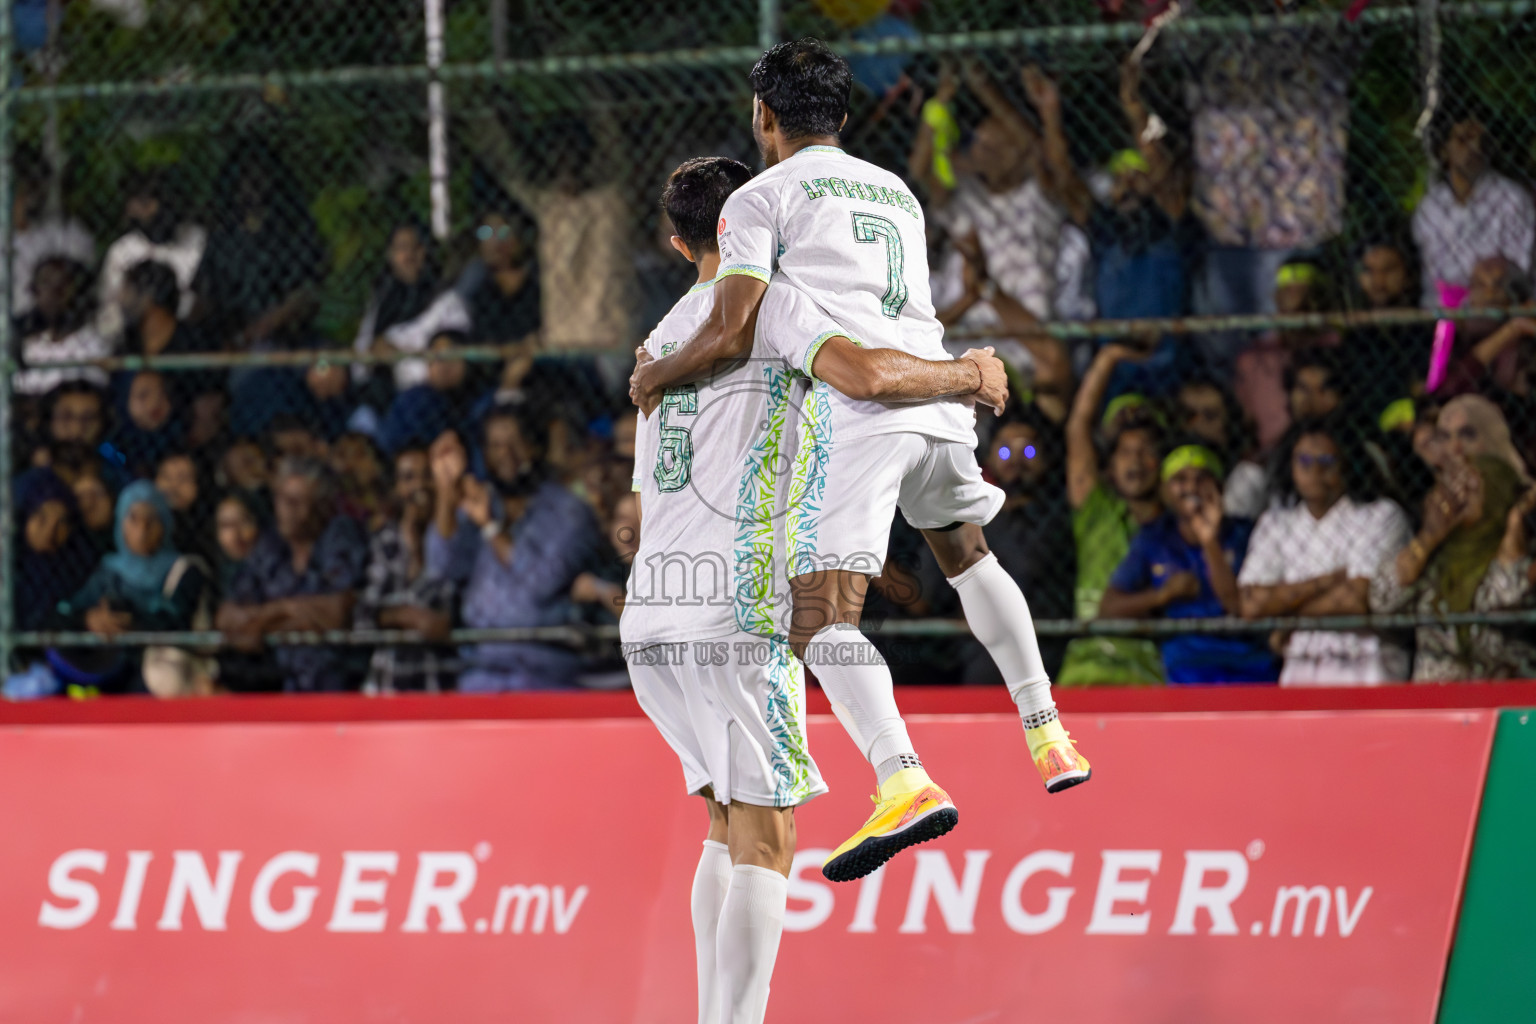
(695, 193)
(806, 85)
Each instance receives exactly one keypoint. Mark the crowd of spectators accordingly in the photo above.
(1296, 472)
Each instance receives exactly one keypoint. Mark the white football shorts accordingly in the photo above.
(733, 710)
(844, 494)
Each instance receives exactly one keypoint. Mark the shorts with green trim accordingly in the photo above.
(844, 494)
(733, 711)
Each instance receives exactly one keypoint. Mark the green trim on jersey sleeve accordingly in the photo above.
(744, 268)
(822, 339)
(810, 353)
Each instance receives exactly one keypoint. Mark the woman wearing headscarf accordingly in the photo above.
(52, 553)
(1470, 426)
(1469, 556)
(146, 584)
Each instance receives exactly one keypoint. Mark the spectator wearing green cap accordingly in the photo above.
(1184, 565)
(1109, 502)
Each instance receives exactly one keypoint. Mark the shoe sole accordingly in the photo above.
(876, 850)
(1067, 780)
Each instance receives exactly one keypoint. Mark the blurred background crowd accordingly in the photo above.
(1317, 182)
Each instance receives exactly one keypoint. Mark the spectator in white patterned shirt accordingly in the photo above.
(1315, 551)
(1472, 212)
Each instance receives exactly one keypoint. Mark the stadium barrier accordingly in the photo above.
(293, 861)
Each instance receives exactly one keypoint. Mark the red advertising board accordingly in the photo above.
(1236, 867)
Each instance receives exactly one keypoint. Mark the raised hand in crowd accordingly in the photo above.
(1082, 454)
(1457, 499)
(449, 462)
(475, 501)
(1206, 520)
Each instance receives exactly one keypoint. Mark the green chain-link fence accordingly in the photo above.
(1246, 202)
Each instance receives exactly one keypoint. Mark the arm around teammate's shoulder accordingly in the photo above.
(890, 375)
(725, 338)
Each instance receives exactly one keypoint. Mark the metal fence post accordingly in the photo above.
(7, 532)
(767, 23)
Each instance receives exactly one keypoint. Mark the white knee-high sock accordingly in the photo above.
(711, 882)
(858, 683)
(999, 617)
(751, 923)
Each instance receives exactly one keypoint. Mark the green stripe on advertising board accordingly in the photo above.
(1495, 949)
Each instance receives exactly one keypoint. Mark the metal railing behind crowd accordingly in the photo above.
(331, 230)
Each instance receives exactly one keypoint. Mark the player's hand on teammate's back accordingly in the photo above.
(640, 390)
(993, 391)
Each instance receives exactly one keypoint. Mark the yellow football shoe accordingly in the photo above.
(909, 809)
(1056, 757)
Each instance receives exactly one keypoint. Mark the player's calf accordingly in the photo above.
(999, 617)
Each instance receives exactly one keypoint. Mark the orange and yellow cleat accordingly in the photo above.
(909, 810)
(1056, 757)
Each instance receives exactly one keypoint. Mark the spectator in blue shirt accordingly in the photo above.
(1184, 565)
(514, 543)
(302, 575)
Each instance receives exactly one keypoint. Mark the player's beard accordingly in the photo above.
(769, 154)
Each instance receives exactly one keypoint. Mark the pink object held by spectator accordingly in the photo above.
(1451, 297)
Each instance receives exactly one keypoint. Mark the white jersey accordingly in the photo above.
(850, 237)
(712, 467)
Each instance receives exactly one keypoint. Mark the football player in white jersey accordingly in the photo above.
(706, 611)
(848, 236)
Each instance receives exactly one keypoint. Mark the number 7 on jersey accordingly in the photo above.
(871, 227)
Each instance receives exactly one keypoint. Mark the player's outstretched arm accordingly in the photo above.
(724, 339)
(889, 375)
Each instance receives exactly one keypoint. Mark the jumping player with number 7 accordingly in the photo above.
(823, 236)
